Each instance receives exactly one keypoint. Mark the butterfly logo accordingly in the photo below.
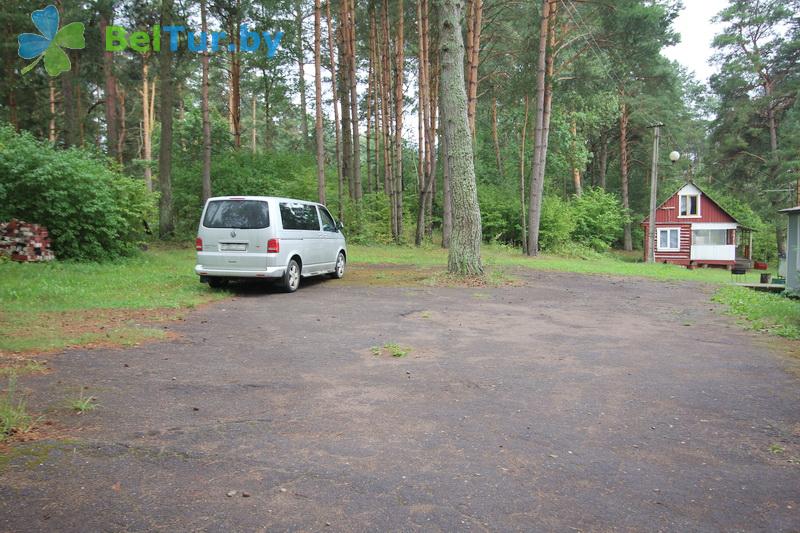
(50, 44)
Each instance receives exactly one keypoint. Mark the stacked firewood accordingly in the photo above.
(25, 242)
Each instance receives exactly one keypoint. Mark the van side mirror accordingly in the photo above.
(339, 225)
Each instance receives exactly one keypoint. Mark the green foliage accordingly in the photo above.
(557, 223)
(158, 278)
(83, 403)
(776, 314)
(599, 218)
(92, 211)
(764, 242)
(290, 174)
(370, 221)
(14, 417)
(500, 214)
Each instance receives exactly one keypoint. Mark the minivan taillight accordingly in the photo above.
(273, 246)
(198, 244)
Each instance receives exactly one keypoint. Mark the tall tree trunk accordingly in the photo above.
(301, 76)
(474, 24)
(523, 219)
(386, 115)
(147, 127)
(447, 195)
(68, 99)
(424, 126)
(465, 246)
(347, 131)
(52, 128)
(376, 99)
(624, 118)
(318, 93)
(254, 126)
(576, 172)
(603, 161)
(269, 82)
(351, 47)
(110, 93)
(431, 135)
(337, 126)
(771, 121)
(398, 118)
(205, 60)
(166, 224)
(123, 131)
(370, 75)
(236, 85)
(539, 149)
(772, 124)
(496, 138)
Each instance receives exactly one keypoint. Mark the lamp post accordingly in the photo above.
(651, 227)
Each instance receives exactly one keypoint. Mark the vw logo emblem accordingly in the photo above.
(233, 234)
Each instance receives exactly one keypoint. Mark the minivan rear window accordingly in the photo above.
(239, 214)
(299, 216)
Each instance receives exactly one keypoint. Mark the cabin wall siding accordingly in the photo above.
(667, 215)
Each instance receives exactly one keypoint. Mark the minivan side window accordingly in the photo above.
(299, 216)
(239, 214)
(327, 220)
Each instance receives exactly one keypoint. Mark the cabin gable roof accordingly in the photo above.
(690, 188)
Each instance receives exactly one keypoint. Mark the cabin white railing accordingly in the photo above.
(714, 252)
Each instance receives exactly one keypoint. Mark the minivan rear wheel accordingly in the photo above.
(291, 278)
(338, 272)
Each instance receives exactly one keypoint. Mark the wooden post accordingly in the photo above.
(651, 228)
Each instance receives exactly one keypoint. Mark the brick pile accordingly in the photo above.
(25, 242)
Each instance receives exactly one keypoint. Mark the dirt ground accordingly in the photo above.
(563, 403)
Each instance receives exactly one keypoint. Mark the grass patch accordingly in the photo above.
(503, 256)
(14, 417)
(762, 311)
(83, 403)
(392, 349)
(51, 306)
(776, 449)
(21, 369)
(162, 277)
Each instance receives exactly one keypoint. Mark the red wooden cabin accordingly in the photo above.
(693, 230)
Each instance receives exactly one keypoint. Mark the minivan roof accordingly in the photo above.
(279, 198)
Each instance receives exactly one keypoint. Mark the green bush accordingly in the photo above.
(92, 211)
(556, 224)
(370, 223)
(240, 173)
(500, 214)
(764, 242)
(599, 218)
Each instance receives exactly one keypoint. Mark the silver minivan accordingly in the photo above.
(266, 237)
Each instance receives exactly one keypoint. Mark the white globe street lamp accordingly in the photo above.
(674, 156)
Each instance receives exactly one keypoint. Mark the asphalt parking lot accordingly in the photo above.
(564, 403)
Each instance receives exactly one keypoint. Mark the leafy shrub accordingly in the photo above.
(500, 214)
(764, 243)
(240, 173)
(556, 224)
(92, 211)
(599, 218)
(576, 250)
(370, 223)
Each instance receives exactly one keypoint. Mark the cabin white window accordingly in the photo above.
(690, 205)
(669, 239)
(710, 237)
